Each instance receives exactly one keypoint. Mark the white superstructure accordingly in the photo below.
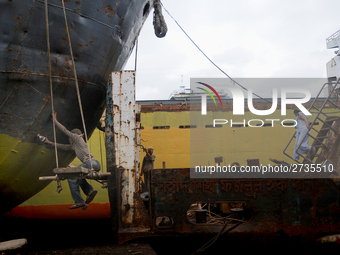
(186, 93)
(333, 66)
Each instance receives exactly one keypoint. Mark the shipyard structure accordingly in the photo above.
(167, 200)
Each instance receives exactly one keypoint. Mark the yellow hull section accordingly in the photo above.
(172, 146)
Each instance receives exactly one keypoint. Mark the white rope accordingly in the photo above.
(75, 78)
(50, 76)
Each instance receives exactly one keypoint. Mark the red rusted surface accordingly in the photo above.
(304, 208)
(182, 105)
(123, 109)
(308, 208)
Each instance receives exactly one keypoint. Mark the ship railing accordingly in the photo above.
(333, 92)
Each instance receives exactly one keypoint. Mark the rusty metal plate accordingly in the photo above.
(305, 207)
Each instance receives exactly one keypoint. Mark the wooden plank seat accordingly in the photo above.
(72, 170)
(75, 173)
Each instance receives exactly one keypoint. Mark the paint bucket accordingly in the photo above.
(201, 216)
(237, 213)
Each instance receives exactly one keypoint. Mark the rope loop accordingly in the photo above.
(158, 20)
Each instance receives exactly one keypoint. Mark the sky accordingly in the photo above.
(245, 38)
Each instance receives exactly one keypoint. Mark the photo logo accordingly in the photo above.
(213, 90)
(240, 129)
(238, 100)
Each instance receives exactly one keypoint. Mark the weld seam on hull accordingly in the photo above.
(55, 77)
(80, 14)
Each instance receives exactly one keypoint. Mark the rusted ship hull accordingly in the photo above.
(102, 34)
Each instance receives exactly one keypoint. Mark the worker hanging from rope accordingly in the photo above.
(77, 142)
(81, 149)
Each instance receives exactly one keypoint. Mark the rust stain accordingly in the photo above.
(94, 39)
(77, 2)
(68, 65)
(82, 44)
(61, 71)
(197, 107)
(55, 64)
(108, 10)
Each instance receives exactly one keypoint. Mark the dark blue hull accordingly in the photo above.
(102, 34)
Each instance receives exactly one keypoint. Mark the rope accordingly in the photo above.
(101, 153)
(50, 76)
(75, 78)
(158, 20)
(59, 188)
(136, 54)
(231, 79)
(213, 240)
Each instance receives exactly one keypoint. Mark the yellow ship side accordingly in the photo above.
(168, 133)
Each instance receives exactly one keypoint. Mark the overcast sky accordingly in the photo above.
(246, 38)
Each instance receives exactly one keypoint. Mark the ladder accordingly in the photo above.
(322, 142)
(327, 136)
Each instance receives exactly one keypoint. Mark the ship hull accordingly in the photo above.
(102, 36)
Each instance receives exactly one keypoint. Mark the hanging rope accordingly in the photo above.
(136, 54)
(101, 153)
(51, 89)
(212, 62)
(158, 20)
(50, 76)
(75, 78)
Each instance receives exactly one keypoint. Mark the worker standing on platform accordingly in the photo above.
(302, 128)
(147, 165)
(78, 144)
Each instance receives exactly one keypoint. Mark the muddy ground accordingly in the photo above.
(68, 237)
(96, 237)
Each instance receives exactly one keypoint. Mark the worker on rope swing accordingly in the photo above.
(78, 144)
